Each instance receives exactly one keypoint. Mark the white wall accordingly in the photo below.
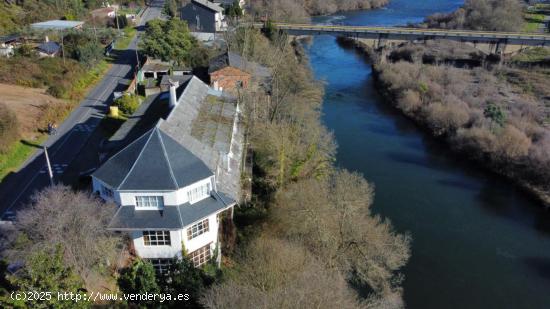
(202, 240)
(157, 252)
(170, 198)
(129, 197)
(176, 238)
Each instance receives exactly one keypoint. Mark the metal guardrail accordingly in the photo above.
(414, 31)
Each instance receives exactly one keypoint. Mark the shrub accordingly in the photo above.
(410, 101)
(127, 103)
(447, 117)
(138, 278)
(512, 143)
(495, 113)
(184, 277)
(9, 128)
(56, 90)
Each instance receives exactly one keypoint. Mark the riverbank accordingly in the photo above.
(479, 113)
(308, 229)
(471, 227)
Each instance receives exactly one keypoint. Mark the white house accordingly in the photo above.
(167, 197)
(176, 172)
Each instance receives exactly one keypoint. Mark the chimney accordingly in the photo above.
(173, 98)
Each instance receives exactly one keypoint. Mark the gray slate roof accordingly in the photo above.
(234, 60)
(181, 79)
(49, 47)
(153, 162)
(209, 5)
(10, 38)
(171, 217)
(211, 150)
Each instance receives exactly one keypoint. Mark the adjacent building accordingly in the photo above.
(173, 169)
(58, 25)
(104, 12)
(48, 49)
(204, 16)
(229, 72)
(228, 3)
(8, 44)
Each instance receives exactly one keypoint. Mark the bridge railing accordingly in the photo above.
(415, 31)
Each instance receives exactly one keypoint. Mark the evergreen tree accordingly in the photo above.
(44, 271)
(169, 40)
(140, 277)
(184, 277)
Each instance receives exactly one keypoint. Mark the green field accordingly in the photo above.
(22, 150)
(533, 22)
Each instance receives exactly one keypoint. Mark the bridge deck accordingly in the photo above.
(525, 38)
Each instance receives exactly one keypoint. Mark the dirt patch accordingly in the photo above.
(30, 105)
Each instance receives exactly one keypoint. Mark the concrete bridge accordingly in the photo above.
(495, 43)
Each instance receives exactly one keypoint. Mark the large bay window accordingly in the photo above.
(198, 192)
(150, 201)
(197, 229)
(156, 238)
(200, 256)
(161, 265)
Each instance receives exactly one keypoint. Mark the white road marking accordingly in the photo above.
(56, 168)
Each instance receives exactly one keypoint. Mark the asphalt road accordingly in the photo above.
(73, 134)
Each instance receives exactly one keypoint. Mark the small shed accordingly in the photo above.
(48, 49)
(154, 68)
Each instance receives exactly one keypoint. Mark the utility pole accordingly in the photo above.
(62, 47)
(50, 173)
(116, 20)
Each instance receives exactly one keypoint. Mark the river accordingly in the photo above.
(478, 241)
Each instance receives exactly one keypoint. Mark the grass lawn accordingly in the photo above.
(533, 55)
(123, 42)
(19, 152)
(84, 83)
(533, 22)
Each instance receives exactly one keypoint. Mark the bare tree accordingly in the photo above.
(59, 216)
(280, 274)
(332, 219)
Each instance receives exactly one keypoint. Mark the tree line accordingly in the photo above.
(302, 10)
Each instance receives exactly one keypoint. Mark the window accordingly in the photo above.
(150, 201)
(197, 229)
(106, 192)
(200, 256)
(161, 265)
(198, 192)
(156, 238)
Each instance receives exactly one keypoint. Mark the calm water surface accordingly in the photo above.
(478, 241)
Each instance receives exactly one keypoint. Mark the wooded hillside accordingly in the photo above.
(301, 10)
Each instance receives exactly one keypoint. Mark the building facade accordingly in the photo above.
(229, 72)
(167, 199)
(203, 16)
